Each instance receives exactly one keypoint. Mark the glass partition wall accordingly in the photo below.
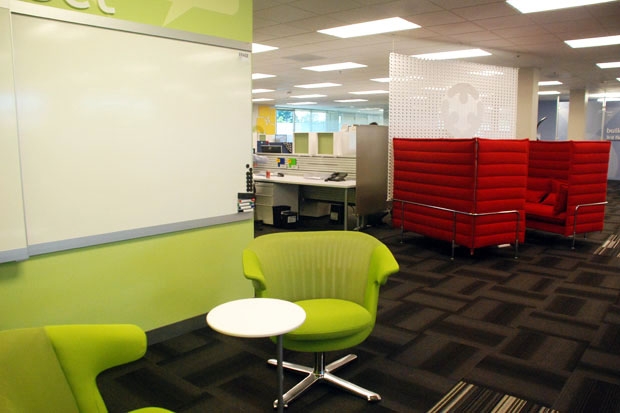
(290, 121)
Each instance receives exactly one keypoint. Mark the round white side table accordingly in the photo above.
(258, 317)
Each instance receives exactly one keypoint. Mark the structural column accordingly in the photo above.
(527, 102)
(577, 114)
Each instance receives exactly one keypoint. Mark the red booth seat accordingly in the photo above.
(567, 186)
(469, 191)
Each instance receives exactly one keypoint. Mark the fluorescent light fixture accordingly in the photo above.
(618, 79)
(548, 92)
(370, 92)
(392, 24)
(533, 6)
(549, 83)
(301, 103)
(262, 100)
(350, 100)
(318, 85)
(308, 96)
(261, 90)
(607, 95)
(260, 48)
(381, 80)
(334, 66)
(609, 65)
(593, 42)
(455, 54)
(487, 73)
(261, 76)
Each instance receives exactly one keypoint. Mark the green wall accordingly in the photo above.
(151, 282)
(229, 19)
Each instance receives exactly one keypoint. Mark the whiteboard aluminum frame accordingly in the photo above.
(125, 235)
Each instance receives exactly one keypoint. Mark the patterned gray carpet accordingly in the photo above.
(467, 397)
(544, 328)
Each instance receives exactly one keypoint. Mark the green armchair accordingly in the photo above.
(54, 368)
(335, 277)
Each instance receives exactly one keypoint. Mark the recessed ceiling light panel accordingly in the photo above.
(549, 83)
(370, 92)
(350, 100)
(549, 92)
(605, 95)
(261, 76)
(609, 65)
(308, 96)
(261, 100)
(392, 24)
(533, 6)
(260, 48)
(593, 42)
(318, 85)
(334, 66)
(456, 54)
(261, 90)
(381, 80)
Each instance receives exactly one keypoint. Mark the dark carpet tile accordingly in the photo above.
(544, 350)
(415, 318)
(475, 332)
(560, 326)
(521, 378)
(438, 355)
(596, 396)
(438, 299)
(609, 340)
(493, 311)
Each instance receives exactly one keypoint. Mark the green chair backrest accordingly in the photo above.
(323, 264)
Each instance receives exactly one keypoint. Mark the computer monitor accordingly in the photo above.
(271, 148)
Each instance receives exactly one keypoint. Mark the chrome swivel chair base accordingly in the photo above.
(322, 372)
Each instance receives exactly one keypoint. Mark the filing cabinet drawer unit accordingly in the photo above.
(269, 195)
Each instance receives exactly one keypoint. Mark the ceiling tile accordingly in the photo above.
(486, 11)
(519, 20)
(282, 14)
(436, 18)
(451, 29)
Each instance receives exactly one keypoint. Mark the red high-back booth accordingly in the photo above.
(470, 192)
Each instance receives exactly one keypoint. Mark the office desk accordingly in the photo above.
(301, 181)
(259, 317)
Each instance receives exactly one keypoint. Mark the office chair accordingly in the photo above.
(335, 277)
(54, 368)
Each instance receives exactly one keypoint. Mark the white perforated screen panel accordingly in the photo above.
(450, 99)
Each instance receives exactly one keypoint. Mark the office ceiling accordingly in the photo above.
(514, 39)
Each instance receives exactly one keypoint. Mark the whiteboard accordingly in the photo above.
(12, 230)
(122, 131)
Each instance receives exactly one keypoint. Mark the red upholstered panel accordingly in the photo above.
(549, 160)
(588, 184)
(501, 186)
(467, 175)
(437, 172)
